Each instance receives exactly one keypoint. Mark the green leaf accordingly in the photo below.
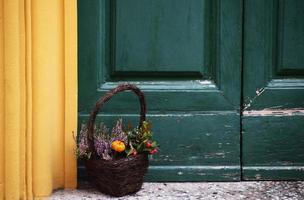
(128, 152)
(140, 147)
(146, 136)
(154, 144)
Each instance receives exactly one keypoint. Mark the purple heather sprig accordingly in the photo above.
(102, 140)
(103, 147)
(118, 133)
(83, 146)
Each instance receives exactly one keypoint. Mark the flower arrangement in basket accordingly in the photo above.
(116, 162)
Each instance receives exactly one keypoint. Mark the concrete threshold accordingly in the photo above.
(203, 190)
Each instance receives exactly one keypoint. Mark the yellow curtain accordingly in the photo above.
(38, 97)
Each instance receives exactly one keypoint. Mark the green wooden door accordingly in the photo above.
(273, 117)
(186, 56)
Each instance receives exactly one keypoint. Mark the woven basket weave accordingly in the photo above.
(122, 176)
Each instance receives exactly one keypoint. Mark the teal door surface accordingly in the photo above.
(223, 79)
(273, 89)
(186, 57)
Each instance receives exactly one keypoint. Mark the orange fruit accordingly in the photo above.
(118, 146)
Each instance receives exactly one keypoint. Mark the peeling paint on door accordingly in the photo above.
(274, 112)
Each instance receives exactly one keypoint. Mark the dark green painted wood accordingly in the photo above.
(190, 138)
(224, 60)
(291, 37)
(273, 147)
(192, 92)
(278, 94)
(293, 173)
(272, 135)
(266, 44)
(203, 93)
(147, 39)
(191, 144)
(193, 173)
(273, 140)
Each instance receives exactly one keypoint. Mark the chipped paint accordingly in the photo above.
(194, 157)
(258, 176)
(180, 173)
(164, 86)
(215, 154)
(247, 105)
(259, 91)
(269, 168)
(172, 114)
(202, 167)
(274, 112)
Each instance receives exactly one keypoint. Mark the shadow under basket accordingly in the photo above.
(118, 177)
(122, 176)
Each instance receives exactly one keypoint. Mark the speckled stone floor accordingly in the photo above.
(216, 190)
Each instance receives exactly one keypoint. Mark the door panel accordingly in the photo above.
(161, 36)
(273, 90)
(186, 57)
(290, 38)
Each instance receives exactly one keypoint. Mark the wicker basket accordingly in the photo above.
(122, 176)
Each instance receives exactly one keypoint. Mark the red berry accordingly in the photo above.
(134, 153)
(148, 144)
(153, 151)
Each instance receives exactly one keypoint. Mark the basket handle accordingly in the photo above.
(102, 100)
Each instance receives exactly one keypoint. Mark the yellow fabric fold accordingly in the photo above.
(38, 97)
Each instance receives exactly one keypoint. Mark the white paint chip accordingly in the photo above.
(274, 112)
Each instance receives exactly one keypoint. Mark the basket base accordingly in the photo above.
(117, 192)
(118, 177)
